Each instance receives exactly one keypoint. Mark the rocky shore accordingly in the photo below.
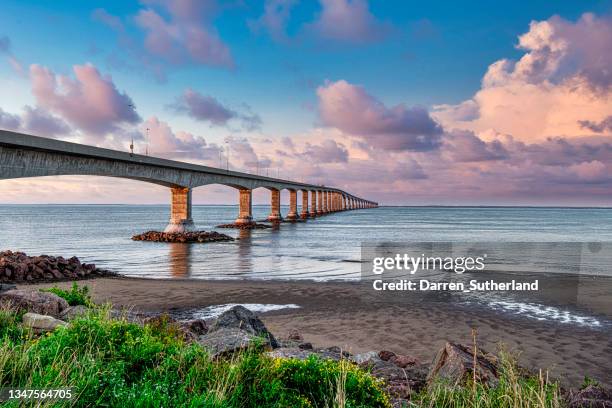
(17, 267)
(184, 237)
(238, 329)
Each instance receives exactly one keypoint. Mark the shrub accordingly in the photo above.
(75, 296)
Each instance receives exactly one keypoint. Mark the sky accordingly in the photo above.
(404, 103)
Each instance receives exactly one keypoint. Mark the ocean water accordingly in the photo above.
(321, 249)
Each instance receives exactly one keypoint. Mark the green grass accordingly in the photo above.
(75, 296)
(515, 389)
(111, 362)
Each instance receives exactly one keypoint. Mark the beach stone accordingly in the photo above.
(34, 301)
(41, 323)
(455, 363)
(386, 355)
(593, 396)
(305, 346)
(241, 318)
(73, 312)
(228, 340)
(6, 287)
(337, 350)
(404, 361)
(295, 336)
(363, 358)
(196, 326)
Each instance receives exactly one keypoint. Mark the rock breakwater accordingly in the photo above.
(183, 237)
(18, 267)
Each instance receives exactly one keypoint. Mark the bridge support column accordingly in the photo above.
(320, 210)
(292, 215)
(180, 211)
(330, 207)
(313, 204)
(275, 214)
(245, 211)
(304, 213)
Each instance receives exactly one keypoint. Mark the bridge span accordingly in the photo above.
(24, 155)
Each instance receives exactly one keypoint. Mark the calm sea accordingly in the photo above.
(324, 248)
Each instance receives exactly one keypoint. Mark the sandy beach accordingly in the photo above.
(351, 315)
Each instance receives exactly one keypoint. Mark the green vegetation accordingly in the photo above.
(111, 362)
(75, 296)
(515, 389)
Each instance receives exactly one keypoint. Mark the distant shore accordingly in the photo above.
(349, 315)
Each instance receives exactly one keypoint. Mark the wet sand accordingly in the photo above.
(353, 316)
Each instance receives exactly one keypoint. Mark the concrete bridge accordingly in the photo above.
(24, 155)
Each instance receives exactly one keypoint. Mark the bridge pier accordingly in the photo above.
(245, 207)
(320, 203)
(304, 214)
(275, 213)
(292, 215)
(313, 204)
(180, 211)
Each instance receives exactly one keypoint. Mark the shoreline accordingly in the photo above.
(347, 314)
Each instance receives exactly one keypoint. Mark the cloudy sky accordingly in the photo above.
(400, 102)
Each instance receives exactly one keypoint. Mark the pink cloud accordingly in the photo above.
(186, 36)
(349, 21)
(9, 121)
(329, 151)
(206, 108)
(274, 19)
(164, 142)
(352, 110)
(561, 83)
(90, 101)
(590, 171)
(41, 123)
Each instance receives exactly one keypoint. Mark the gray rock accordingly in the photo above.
(369, 357)
(225, 341)
(455, 364)
(301, 354)
(593, 396)
(196, 326)
(7, 286)
(73, 312)
(290, 352)
(41, 323)
(34, 301)
(239, 317)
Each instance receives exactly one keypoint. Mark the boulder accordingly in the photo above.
(228, 340)
(454, 363)
(404, 361)
(41, 323)
(73, 312)
(34, 301)
(364, 358)
(386, 355)
(593, 396)
(196, 326)
(241, 318)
